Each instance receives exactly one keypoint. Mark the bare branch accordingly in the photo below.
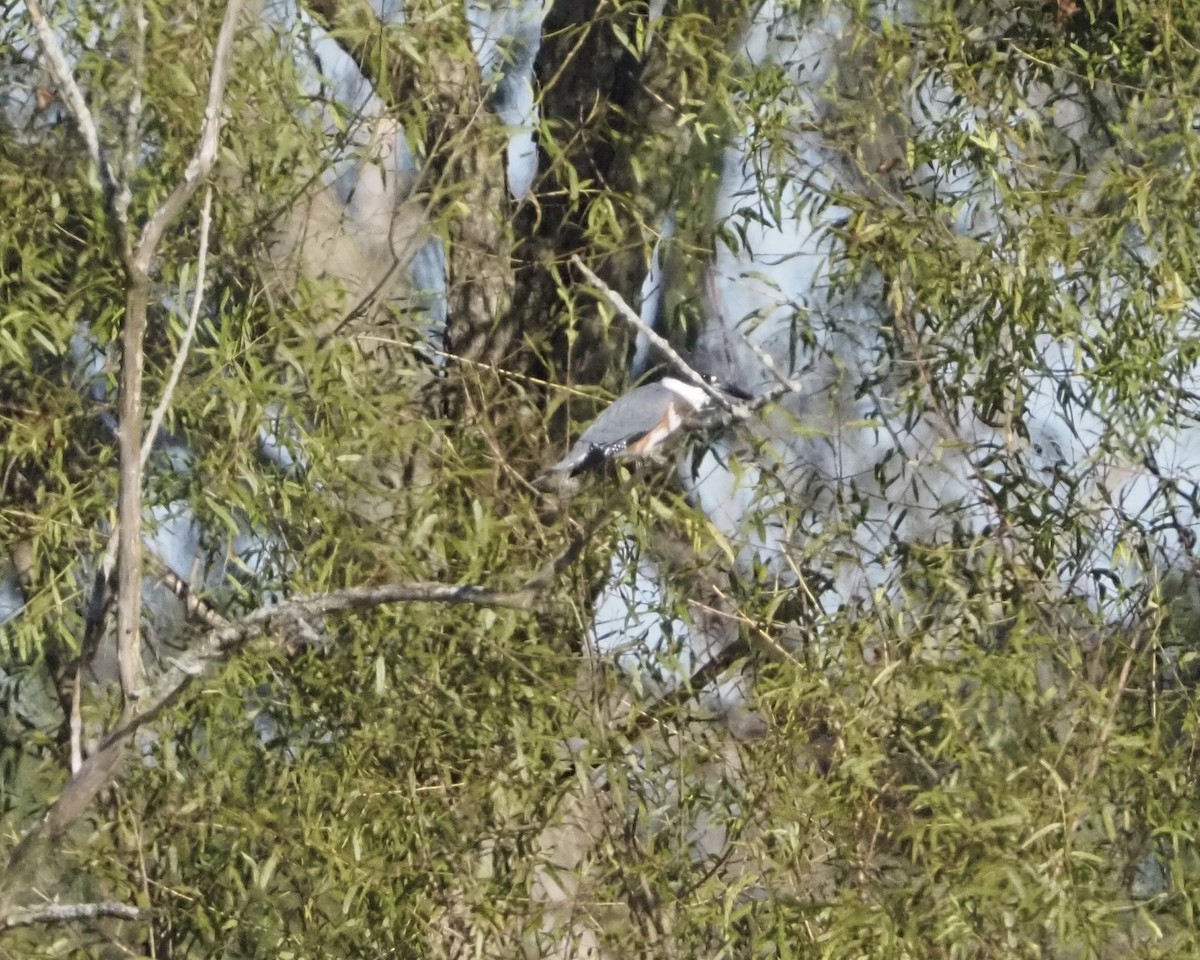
(56, 63)
(185, 342)
(365, 598)
(733, 411)
(205, 157)
(129, 521)
(629, 314)
(218, 643)
(787, 383)
(66, 912)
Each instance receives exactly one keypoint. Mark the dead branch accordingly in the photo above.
(67, 912)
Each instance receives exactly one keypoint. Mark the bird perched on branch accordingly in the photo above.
(639, 423)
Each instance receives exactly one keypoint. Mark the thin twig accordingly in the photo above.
(1101, 743)
(66, 912)
(628, 313)
(766, 359)
(56, 63)
(768, 362)
(787, 383)
(137, 265)
(185, 342)
(731, 411)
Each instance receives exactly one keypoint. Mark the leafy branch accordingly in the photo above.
(138, 260)
(102, 765)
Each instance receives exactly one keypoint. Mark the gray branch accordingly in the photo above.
(67, 912)
(733, 411)
(55, 62)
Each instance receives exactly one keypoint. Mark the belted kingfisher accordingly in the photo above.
(639, 423)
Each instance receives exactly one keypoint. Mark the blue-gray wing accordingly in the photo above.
(623, 422)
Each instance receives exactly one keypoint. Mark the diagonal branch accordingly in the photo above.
(56, 63)
(734, 411)
(630, 315)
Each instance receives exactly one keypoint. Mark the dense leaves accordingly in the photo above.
(931, 695)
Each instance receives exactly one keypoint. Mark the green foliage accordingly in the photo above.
(389, 771)
(968, 763)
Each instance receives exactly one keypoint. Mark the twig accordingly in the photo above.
(768, 362)
(732, 411)
(787, 383)
(625, 310)
(56, 63)
(66, 912)
(185, 342)
(137, 265)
